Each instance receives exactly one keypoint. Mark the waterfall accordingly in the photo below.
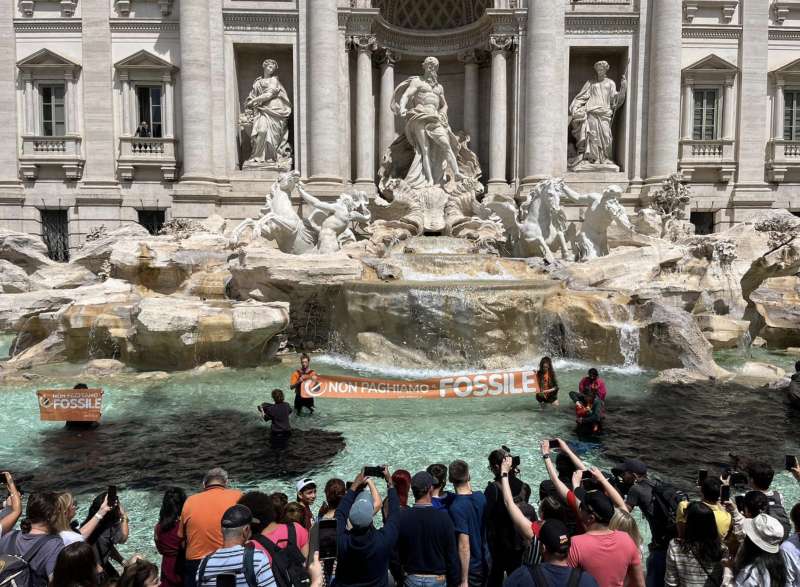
(629, 344)
(745, 345)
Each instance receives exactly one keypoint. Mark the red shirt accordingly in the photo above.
(606, 557)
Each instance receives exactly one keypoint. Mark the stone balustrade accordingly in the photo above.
(146, 152)
(782, 157)
(716, 155)
(63, 151)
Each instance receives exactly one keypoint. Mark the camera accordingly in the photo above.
(515, 460)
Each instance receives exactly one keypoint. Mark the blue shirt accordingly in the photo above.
(442, 502)
(468, 513)
(556, 576)
(230, 561)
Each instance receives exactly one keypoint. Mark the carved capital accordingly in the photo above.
(472, 57)
(386, 57)
(362, 43)
(501, 43)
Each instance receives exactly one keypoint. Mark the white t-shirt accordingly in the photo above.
(791, 554)
(70, 537)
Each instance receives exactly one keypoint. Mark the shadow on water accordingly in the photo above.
(679, 429)
(150, 453)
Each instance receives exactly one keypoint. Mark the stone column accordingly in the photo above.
(30, 107)
(8, 97)
(98, 112)
(196, 91)
(323, 103)
(387, 60)
(780, 104)
(71, 103)
(169, 106)
(543, 91)
(471, 62)
(499, 45)
(688, 109)
(126, 105)
(663, 130)
(364, 45)
(727, 111)
(752, 122)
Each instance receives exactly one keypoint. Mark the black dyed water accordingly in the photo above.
(148, 452)
(679, 429)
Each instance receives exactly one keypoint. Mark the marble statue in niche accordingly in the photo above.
(591, 117)
(266, 113)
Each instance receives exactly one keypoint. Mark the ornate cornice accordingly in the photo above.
(712, 32)
(784, 34)
(129, 25)
(282, 21)
(602, 24)
(434, 42)
(50, 25)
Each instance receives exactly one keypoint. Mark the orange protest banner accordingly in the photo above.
(70, 405)
(503, 383)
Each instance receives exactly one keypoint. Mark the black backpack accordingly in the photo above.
(662, 516)
(777, 511)
(16, 570)
(248, 568)
(539, 580)
(288, 563)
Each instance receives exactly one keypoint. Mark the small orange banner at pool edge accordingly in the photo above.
(503, 383)
(70, 405)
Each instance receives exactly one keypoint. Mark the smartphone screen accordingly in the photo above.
(587, 474)
(725, 493)
(702, 475)
(373, 471)
(226, 580)
(791, 462)
(111, 495)
(554, 444)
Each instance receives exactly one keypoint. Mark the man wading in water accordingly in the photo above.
(304, 373)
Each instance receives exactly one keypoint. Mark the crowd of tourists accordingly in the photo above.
(429, 529)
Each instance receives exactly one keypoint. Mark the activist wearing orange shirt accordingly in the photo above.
(304, 373)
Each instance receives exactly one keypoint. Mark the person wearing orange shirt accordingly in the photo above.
(201, 519)
(304, 373)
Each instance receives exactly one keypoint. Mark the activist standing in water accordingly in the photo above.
(304, 373)
(548, 384)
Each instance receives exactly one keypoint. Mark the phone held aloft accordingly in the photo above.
(373, 471)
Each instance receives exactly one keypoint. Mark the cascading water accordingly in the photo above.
(745, 345)
(629, 345)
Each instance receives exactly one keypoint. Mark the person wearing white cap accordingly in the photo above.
(759, 562)
(306, 495)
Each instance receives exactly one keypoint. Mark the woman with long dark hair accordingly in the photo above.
(111, 529)
(141, 573)
(696, 560)
(167, 540)
(75, 567)
(548, 384)
(759, 562)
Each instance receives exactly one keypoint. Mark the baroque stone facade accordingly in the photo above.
(712, 90)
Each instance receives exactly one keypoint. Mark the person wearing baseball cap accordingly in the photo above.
(364, 551)
(759, 561)
(307, 495)
(554, 569)
(610, 556)
(250, 566)
(427, 539)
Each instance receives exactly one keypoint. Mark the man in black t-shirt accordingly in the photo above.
(278, 414)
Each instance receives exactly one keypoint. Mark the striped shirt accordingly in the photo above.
(230, 561)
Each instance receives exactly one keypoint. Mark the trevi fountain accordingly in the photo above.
(189, 329)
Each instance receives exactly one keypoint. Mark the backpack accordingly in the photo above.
(16, 570)
(777, 511)
(539, 580)
(288, 563)
(663, 512)
(248, 568)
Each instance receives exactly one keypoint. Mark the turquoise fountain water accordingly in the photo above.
(158, 419)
